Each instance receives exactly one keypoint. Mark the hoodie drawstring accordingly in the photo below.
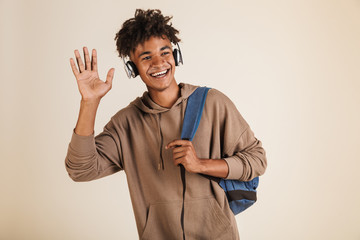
(161, 162)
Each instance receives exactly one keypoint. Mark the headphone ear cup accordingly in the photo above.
(133, 71)
(176, 57)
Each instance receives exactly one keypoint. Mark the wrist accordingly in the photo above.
(90, 101)
(214, 167)
(204, 166)
(86, 119)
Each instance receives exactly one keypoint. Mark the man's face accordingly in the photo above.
(155, 62)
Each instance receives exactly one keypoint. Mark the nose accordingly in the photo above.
(157, 61)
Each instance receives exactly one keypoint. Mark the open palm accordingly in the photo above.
(87, 77)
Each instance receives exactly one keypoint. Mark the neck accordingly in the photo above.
(166, 98)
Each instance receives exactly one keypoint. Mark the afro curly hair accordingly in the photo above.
(145, 24)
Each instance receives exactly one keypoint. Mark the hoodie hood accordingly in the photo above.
(147, 105)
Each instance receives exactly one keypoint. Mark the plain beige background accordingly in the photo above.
(291, 67)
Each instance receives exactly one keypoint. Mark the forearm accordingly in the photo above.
(214, 167)
(86, 120)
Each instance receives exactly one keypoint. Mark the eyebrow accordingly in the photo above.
(143, 53)
(165, 47)
(147, 52)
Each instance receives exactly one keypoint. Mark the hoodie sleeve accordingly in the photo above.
(89, 158)
(248, 160)
(242, 151)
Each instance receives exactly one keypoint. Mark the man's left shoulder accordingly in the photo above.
(217, 97)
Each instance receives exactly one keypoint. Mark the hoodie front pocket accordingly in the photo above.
(163, 221)
(205, 220)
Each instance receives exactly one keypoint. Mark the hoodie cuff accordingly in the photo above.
(235, 167)
(82, 144)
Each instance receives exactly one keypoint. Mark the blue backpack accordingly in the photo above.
(240, 195)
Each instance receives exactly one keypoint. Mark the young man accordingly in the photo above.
(143, 139)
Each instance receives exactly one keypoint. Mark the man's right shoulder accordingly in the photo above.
(127, 112)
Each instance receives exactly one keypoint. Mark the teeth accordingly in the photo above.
(159, 73)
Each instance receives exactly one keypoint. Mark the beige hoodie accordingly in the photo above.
(134, 140)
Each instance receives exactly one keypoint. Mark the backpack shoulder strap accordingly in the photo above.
(193, 112)
(240, 195)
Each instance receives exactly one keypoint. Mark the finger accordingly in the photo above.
(179, 155)
(178, 149)
(110, 76)
(87, 59)
(74, 68)
(79, 61)
(178, 161)
(177, 143)
(94, 60)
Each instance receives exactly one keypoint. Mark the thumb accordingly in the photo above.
(110, 76)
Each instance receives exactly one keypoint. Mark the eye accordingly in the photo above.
(165, 53)
(146, 58)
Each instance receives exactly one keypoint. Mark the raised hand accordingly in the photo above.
(87, 77)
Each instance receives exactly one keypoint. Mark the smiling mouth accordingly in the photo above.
(160, 74)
